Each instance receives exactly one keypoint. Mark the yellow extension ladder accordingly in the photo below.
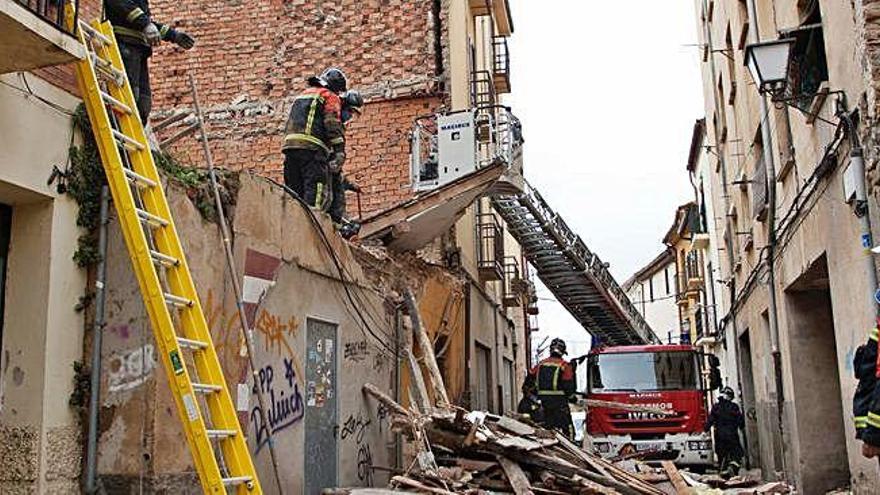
(201, 395)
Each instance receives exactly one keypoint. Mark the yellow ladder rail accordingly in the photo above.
(204, 405)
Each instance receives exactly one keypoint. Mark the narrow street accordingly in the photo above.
(371, 247)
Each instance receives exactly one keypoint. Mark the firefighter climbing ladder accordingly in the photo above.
(215, 438)
(575, 275)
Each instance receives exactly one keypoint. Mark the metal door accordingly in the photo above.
(321, 412)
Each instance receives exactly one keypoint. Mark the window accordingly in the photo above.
(809, 67)
(5, 231)
(651, 289)
(666, 279)
(643, 371)
(758, 180)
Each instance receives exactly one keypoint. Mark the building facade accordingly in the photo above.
(41, 331)
(786, 245)
(652, 290)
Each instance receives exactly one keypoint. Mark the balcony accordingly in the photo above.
(498, 9)
(490, 256)
(514, 286)
(501, 65)
(33, 35)
(483, 91)
(694, 271)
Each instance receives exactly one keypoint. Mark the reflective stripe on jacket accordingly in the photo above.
(553, 376)
(866, 400)
(315, 121)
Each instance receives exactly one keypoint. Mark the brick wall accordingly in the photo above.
(63, 76)
(252, 58)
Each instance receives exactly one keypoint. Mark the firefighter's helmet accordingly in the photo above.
(557, 346)
(334, 80)
(727, 393)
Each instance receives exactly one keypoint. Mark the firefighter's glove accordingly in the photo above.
(151, 34)
(336, 161)
(182, 39)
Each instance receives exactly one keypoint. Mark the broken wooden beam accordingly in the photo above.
(681, 486)
(515, 475)
(427, 348)
(373, 390)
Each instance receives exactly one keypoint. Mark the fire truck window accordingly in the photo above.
(644, 371)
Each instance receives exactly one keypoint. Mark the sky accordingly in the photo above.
(607, 93)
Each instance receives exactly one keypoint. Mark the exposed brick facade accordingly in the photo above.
(252, 58)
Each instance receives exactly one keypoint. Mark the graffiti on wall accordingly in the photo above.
(130, 369)
(276, 331)
(284, 402)
(356, 351)
(356, 427)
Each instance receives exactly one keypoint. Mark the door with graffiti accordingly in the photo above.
(321, 411)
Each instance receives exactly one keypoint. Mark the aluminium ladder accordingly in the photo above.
(574, 274)
(202, 397)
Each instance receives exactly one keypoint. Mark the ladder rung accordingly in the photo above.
(94, 34)
(177, 300)
(126, 141)
(191, 344)
(221, 433)
(138, 178)
(113, 102)
(164, 259)
(237, 480)
(107, 69)
(206, 388)
(150, 218)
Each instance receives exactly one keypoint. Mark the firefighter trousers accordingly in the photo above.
(135, 59)
(307, 173)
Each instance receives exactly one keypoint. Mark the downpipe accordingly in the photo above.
(97, 337)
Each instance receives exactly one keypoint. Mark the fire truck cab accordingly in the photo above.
(667, 377)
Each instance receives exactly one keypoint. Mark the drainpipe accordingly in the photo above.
(860, 206)
(770, 163)
(97, 334)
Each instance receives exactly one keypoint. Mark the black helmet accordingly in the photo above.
(558, 346)
(353, 99)
(727, 393)
(334, 80)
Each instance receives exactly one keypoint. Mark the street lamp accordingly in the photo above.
(768, 62)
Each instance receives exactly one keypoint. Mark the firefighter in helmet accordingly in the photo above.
(727, 419)
(555, 383)
(314, 141)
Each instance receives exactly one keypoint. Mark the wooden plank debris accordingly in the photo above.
(427, 348)
(515, 475)
(681, 487)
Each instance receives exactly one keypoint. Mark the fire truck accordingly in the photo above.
(667, 377)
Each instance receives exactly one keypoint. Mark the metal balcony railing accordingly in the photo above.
(51, 11)
(501, 64)
(514, 285)
(490, 241)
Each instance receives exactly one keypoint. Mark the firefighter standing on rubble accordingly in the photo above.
(727, 419)
(314, 140)
(555, 382)
(866, 400)
(137, 33)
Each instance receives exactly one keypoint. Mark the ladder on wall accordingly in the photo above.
(216, 441)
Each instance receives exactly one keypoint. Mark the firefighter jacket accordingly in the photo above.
(726, 417)
(553, 376)
(315, 122)
(866, 401)
(130, 17)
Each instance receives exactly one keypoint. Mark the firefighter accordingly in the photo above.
(866, 400)
(314, 141)
(137, 33)
(352, 103)
(555, 382)
(530, 405)
(727, 419)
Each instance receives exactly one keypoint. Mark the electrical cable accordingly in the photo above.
(54, 106)
(325, 242)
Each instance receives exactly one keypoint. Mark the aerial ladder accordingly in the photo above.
(578, 278)
(217, 444)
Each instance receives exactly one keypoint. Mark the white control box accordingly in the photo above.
(457, 146)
